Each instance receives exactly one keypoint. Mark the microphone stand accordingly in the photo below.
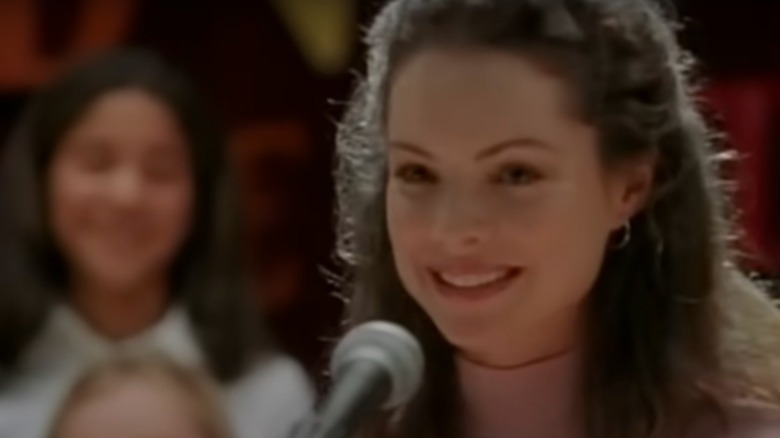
(351, 400)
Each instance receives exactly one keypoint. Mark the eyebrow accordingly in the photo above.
(490, 151)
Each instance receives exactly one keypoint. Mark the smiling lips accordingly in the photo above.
(474, 284)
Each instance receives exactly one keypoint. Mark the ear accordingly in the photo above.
(633, 185)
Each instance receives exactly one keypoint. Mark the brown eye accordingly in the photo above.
(414, 174)
(162, 171)
(517, 175)
(165, 163)
(165, 168)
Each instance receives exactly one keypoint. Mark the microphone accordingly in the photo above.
(377, 365)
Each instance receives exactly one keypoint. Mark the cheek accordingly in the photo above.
(408, 230)
(70, 194)
(568, 234)
(174, 208)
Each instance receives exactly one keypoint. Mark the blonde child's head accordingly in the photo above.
(135, 396)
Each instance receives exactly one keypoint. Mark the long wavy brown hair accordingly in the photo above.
(674, 326)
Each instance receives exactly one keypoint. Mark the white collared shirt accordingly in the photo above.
(263, 403)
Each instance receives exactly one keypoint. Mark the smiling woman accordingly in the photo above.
(529, 188)
(491, 216)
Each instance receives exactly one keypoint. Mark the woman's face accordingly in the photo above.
(133, 409)
(499, 209)
(121, 190)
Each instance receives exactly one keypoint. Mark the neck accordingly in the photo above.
(541, 399)
(120, 312)
(554, 336)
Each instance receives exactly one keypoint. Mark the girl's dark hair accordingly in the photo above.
(654, 350)
(207, 273)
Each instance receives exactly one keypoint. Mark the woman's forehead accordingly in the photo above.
(485, 96)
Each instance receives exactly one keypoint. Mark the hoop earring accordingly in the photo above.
(625, 237)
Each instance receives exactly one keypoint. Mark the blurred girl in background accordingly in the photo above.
(120, 229)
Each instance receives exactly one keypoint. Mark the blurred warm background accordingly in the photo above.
(276, 72)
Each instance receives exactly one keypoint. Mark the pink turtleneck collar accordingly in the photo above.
(538, 400)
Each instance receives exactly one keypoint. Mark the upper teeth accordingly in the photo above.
(472, 280)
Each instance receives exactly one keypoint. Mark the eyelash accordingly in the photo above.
(414, 174)
(511, 174)
(516, 175)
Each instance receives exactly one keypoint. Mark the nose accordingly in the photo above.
(461, 223)
(126, 187)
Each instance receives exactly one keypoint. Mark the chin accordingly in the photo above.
(118, 276)
(466, 332)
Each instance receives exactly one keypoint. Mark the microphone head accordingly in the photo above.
(392, 348)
